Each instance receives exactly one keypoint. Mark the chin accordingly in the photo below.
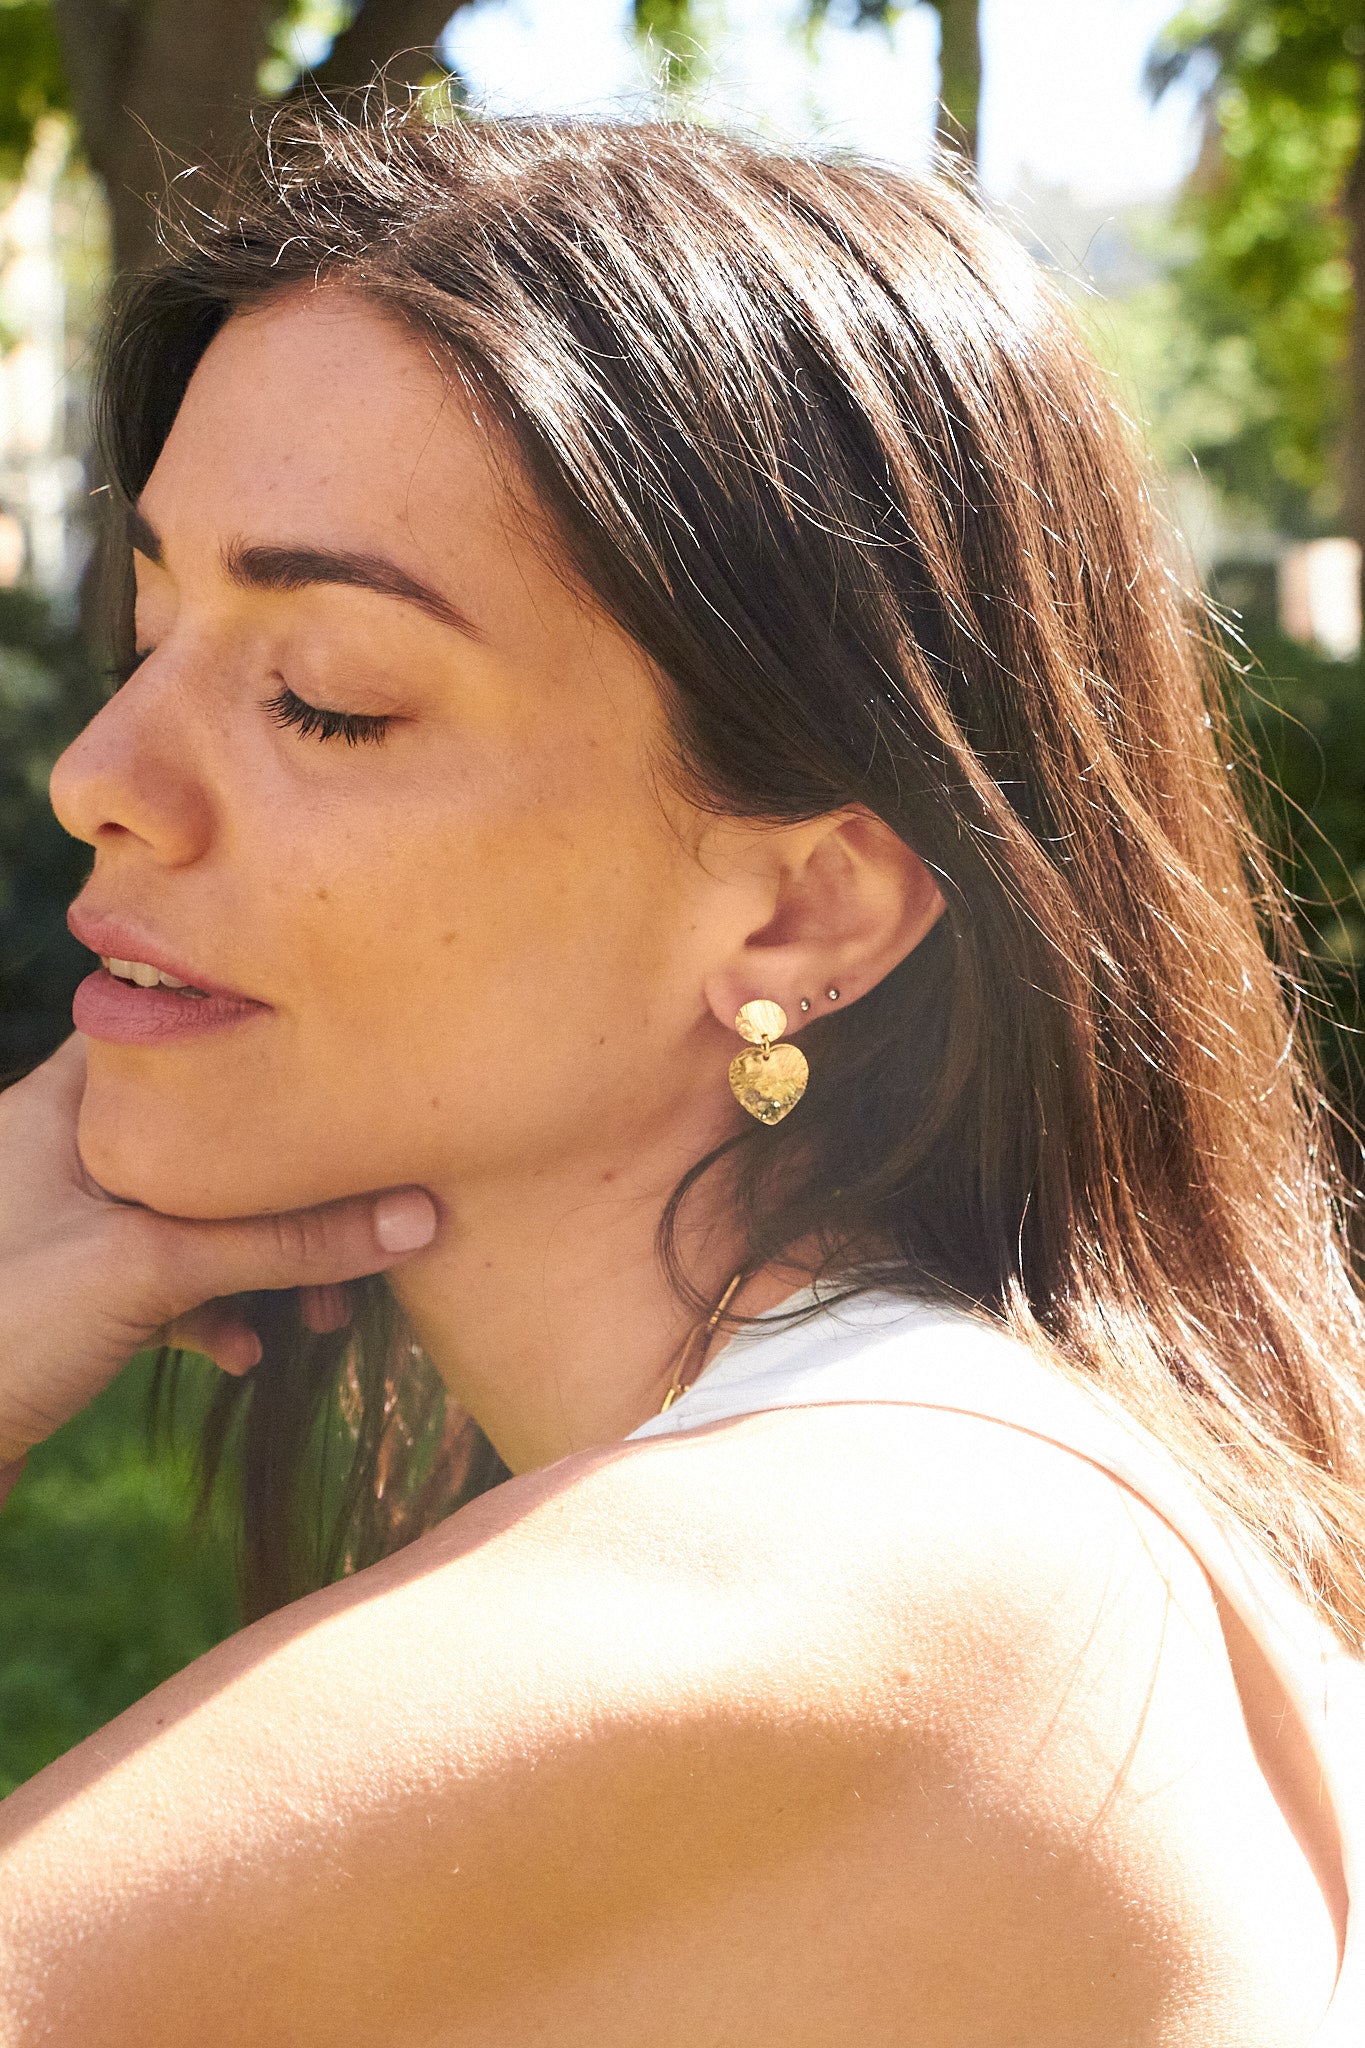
(147, 1148)
(159, 1170)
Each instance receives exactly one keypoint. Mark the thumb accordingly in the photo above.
(297, 1248)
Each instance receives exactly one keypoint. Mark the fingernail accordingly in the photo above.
(405, 1220)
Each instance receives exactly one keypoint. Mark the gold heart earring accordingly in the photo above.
(770, 1079)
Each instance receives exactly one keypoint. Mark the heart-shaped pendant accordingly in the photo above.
(769, 1083)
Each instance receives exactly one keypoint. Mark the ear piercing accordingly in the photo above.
(833, 994)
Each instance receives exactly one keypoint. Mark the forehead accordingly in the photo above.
(317, 417)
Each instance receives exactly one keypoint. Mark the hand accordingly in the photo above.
(85, 1280)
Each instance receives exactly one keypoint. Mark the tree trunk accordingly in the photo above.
(395, 36)
(959, 67)
(159, 92)
(166, 88)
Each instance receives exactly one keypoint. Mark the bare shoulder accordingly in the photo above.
(751, 1730)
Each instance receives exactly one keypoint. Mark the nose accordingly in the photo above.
(129, 778)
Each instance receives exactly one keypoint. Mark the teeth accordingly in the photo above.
(140, 972)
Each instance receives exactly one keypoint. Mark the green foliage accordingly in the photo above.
(32, 78)
(300, 34)
(1261, 252)
(677, 32)
(1186, 389)
(1305, 717)
(673, 35)
(105, 1588)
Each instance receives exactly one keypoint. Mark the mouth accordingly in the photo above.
(132, 999)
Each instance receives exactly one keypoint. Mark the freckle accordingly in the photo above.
(449, 938)
(321, 895)
(610, 1173)
(601, 1041)
(436, 1102)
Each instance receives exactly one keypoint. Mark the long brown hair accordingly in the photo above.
(822, 441)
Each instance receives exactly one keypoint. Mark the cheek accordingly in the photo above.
(499, 988)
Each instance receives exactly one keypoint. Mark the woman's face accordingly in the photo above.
(474, 941)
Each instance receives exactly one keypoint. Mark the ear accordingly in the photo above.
(852, 900)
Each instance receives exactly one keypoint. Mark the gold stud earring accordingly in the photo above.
(769, 1079)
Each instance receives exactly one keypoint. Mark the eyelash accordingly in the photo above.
(357, 728)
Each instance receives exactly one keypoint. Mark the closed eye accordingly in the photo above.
(357, 728)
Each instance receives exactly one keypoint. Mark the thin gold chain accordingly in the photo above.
(703, 1332)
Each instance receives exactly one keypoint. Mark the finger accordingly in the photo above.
(218, 1333)
(52, 1093)
(65, 1070)
(324, 1309)
(301, 1248)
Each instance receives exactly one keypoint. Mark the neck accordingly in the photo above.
(545, 1309)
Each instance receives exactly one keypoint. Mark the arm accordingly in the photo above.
(771, 1735)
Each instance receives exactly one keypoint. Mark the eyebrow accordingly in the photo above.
(263, 567)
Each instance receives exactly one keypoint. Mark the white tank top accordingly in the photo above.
(881, 1347)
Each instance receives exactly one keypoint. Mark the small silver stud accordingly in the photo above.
(833, 994)
(805, 1002)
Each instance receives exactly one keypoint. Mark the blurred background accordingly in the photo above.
(1192, 176)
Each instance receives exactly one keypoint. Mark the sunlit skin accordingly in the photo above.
(857, 1723)
(502, 955)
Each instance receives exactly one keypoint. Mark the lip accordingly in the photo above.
(123, 1014)
(113, 941)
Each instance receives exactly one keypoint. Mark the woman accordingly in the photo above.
(607, 596)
